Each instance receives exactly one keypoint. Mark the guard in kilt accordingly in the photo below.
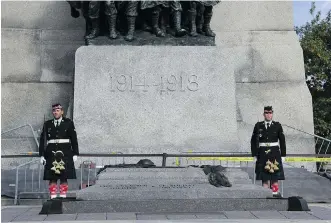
(269, 148)
(58, 150)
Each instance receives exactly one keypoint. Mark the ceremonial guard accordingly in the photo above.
(58, 150)
(269, 148)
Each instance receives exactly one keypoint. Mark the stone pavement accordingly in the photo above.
(318, 213)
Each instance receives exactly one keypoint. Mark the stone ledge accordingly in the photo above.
(174, 206)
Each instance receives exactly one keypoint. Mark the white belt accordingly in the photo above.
(268, 144)
(59, 141)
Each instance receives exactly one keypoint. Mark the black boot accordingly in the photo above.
(192, 22)
(200, 23)
(95, 29)
(155, 23)
(206, 25)
(112, 26)
(179, 32)
(131, 27)
(87, 27)
(162, 24)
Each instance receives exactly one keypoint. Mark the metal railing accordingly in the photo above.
(87, 164)
(20, 127)
(19, 139)
(25, 178)
(322, 146)
(31, 167)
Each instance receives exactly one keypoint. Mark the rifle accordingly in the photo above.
(45, 138)
(257, 139)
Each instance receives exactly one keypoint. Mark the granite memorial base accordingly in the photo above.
(160, 190)
(155, 99)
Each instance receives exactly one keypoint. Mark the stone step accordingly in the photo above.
(175, 205)
(30, 202)
(168, 181)
(168, 174)
(300, 182)
(143, 191)
(151, 181)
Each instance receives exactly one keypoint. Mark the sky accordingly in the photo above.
(301, 10)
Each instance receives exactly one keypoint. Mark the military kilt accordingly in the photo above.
(269, 164)
(54, 154)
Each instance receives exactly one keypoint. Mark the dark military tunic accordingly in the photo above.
(59, 151)
(267, 153)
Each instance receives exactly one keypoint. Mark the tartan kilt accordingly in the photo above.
(56, 153)
(270, 154)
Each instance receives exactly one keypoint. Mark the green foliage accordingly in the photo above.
(315, 39)
(322, 116)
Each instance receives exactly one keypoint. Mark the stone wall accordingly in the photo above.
(38, 44)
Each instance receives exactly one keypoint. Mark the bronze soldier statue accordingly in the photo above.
(176, 12)
(130, 9)
(94, 10)
(58, 150)
(157, 8)
(175, 9)
(269, 149)
(200, 14)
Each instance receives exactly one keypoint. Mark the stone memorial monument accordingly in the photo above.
(161, 89)
(170, 85)
(254, 60)
(157, 77)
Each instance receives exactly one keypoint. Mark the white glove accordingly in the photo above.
(74, 158)
(255, 159)
(42, 161)
(283, 159)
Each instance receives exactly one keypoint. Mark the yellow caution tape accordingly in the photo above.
(287, 159)
(307, 159)
(177, 161)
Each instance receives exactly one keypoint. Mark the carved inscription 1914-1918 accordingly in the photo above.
(131, 83)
